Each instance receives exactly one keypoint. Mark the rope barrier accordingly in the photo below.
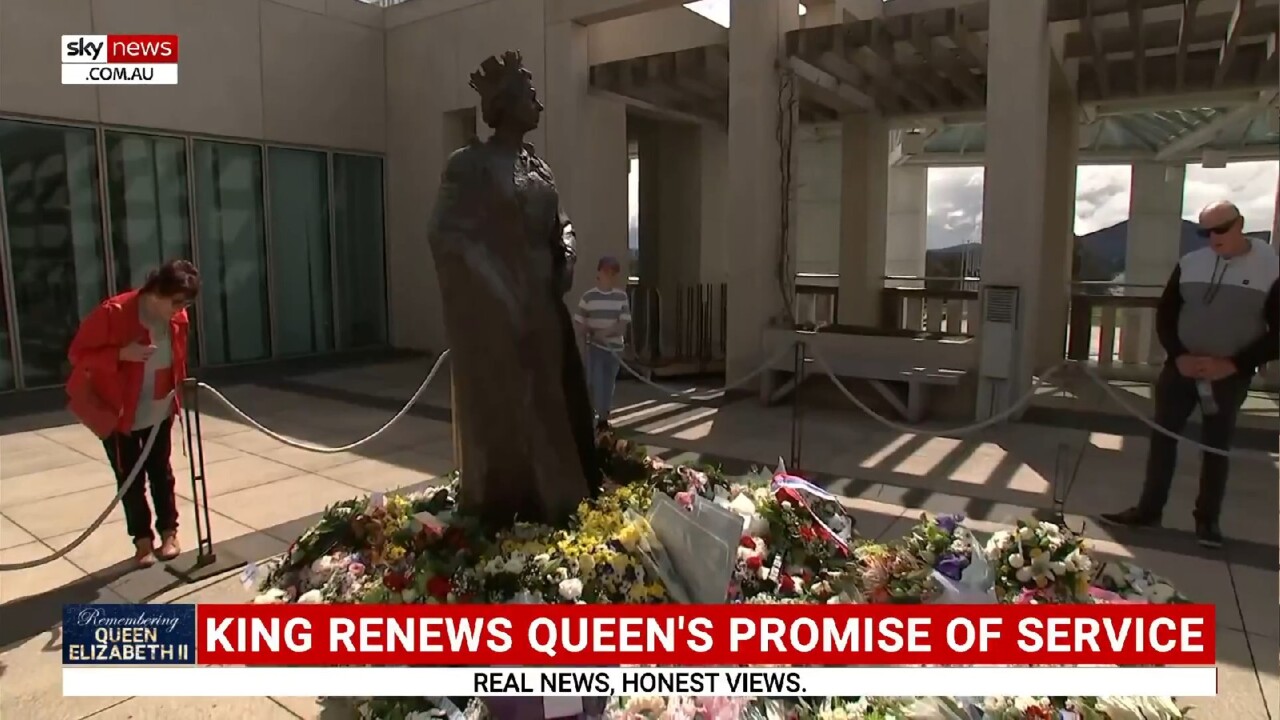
(102, 517)
(1000, 417)
(321, 448)
(1009, 412)
(687, 394)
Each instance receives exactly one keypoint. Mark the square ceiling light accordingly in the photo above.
(1213, 159)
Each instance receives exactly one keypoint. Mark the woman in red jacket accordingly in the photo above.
(132, 351)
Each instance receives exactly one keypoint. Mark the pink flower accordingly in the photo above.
(685, 499)
(356, 569)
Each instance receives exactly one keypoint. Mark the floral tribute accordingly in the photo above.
(799, 546)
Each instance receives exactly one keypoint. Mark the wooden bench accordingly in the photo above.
(918, 380)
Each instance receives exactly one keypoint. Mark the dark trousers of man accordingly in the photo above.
(1176, 397)
(123, 450)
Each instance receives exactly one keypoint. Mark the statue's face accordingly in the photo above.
(522, 107)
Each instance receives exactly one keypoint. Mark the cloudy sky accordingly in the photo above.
(1102, 198)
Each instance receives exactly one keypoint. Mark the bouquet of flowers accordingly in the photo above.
(893, 574)
(1134, 584)
(1042, 557)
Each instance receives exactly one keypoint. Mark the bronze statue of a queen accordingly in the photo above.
(504, 253)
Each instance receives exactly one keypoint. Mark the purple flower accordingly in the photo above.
(949, 523)
(952, 566)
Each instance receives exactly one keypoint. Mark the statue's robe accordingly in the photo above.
(504, 253)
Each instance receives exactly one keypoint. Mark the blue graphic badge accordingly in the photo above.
(128, 634)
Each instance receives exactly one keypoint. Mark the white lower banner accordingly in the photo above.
(153, 681)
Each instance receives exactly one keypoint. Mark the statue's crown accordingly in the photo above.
(495, 74)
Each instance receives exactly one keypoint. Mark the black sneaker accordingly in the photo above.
(1208, 534)
(1131, 518)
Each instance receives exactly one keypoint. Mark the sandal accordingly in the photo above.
(144, 553)
(169, 548)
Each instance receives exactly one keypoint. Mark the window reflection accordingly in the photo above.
(301, 274)
(360, 250)
(50, 180)
(233, 254)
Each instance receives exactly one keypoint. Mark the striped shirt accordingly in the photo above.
(600, 312)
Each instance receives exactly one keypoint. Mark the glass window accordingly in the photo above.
(147, 206)
(50, 181)
(359, 250)
(301, 273)
(233, 253)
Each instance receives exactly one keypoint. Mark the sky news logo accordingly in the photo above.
(119, 59)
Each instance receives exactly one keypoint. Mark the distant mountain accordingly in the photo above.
(1100, 255)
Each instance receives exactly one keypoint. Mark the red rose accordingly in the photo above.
(807, 532)
(439, 587)
(747, 542)
(786, 584)
(754, 562)
(395, 581)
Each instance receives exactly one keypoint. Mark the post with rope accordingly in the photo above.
(797, 411)
(199, 488)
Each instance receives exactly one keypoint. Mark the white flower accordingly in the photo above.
(1023, 574)
(514, 564)
(311, 597)
(1138, 708)
(743, 505)
(524, 597)
(1026, 534)
(274, 596)
(408, 595)
(323, 566)
(1159, 594)
(571, 589)
(1058, 568)
(1017, 561)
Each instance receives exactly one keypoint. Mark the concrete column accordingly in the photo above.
(864, 203)
(1152, 249)
(757, 34)
(1061, 154)
(818, 169)
(1014, 191)
(586, 146)
(908, 220)
(715, 248)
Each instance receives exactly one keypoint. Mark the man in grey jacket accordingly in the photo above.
(1218, 322)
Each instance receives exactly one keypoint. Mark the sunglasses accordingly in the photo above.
(1219, 229)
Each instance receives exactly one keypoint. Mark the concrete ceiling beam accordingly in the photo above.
(1208, 132)
(1230, 44)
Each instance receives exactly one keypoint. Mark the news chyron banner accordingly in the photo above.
(119, 59)
(606, 650)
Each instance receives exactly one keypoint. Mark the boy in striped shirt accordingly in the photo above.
(602, 318)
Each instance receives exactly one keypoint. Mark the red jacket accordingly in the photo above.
(95, 354)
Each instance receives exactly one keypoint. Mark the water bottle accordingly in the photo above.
(1208, 406)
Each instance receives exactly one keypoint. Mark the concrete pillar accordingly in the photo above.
(757, 33)
(586, 146)
(908, 220)
(864, 203)
(1061, 153)
(1152, 249)
(1014, 191)
(818, 168)
(714, 259)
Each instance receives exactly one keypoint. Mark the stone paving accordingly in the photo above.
(54, 481)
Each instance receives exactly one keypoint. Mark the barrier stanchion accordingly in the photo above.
(199, 488)
(797, 409)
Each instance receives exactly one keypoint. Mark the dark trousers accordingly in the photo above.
(1176, 397)
(123, 450)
